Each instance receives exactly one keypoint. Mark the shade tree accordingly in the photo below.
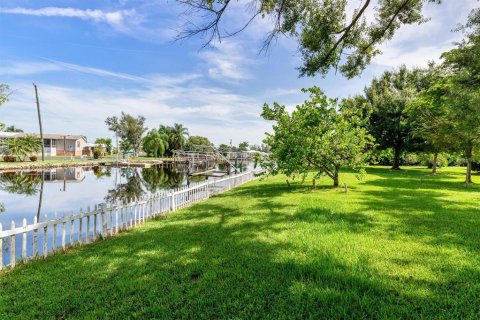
(386, 100)
(463, 65)
(333, 34)
(429, 117)
(315, 136)
(129, 129)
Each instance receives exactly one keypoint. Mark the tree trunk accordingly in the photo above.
(396, 159)
(335, 176)
(434, 167)
(314, 183)
(468, 154)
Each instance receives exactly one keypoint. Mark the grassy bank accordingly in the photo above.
(60, 161)
(394, 246)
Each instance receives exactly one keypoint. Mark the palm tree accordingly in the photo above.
(22, 147)
(155, 143)
(178, 136)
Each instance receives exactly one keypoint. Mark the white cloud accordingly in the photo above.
(27, 68)
(125, 21)
(217, 113)
(114, 18)
(97, 71)
(414, 57)
(227, 61)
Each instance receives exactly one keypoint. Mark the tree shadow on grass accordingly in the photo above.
(419, 179)
(206, 270)
(427, 213)
(224, 259)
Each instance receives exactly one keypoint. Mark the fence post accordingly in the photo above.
(151, 206)
(104, 222)
(172, 201)
(80, 228)
(116, 220)
(64, 230)
(35, 236)
(54, 231)
(12, 246)
(24, 239)
(45, 243)
(95, 223)
(130, 213)
(135, 207)
(87, 235)
(72, 229)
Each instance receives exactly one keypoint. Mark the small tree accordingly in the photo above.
(428, 117)
(155, 143)
(463, 63)
(105, 141)
(243, 146)
(316, 136)
(129, 128)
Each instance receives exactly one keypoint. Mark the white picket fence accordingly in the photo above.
(41, 239)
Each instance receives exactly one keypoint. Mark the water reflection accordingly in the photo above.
(158, 178)
(22, 184)
(27, 194)
(124, 192)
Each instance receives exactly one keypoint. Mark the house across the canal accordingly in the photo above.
(54, 144)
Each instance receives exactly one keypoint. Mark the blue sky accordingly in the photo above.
(93, 59)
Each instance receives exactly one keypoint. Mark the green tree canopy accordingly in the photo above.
(155, 143)
(329, 34)
(129, 128)
(428, 115)
(387, 98)
(12, 128)
(177, 136)
(463, 87)
(199, 141)
(105, 141)
(243, 146)
(316, 136)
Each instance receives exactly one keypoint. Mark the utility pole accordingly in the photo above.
(40, 121)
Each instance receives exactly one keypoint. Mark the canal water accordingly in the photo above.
(40, 193)
(28, 194)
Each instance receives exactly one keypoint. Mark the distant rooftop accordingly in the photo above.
(45, 135)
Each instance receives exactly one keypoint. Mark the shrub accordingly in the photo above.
(97, 153)
(9, 158)
(410, 159)
(426, 159)
(380, 157)
(33, 158)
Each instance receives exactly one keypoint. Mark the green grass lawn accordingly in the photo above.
(392, 247)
